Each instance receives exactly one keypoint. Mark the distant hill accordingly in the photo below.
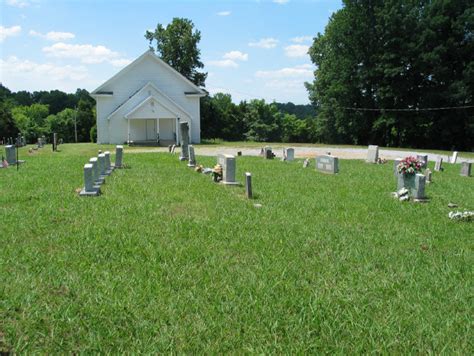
(300, 111)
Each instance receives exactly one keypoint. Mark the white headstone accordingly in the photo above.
(454, 158)
(396, 162)
(439, 163)
(228, 168)
(90, 189)
(373, 154)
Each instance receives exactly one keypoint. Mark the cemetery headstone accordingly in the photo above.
(228, 165)
(439, 164)
(466, 169)
(118, 156)
(10, 153)
(173, 148)
(428, 175)
(102, 166)
(423, 159)
(96, 171)
(327, 164)
(108, 165)
(290, 154)
(306, 163)
(268, 153)
(415, 183)
(192, 157)
(396, 162)
(248, 185)
(454, 157)
(373, 154)
(90, 189)
(184, 127)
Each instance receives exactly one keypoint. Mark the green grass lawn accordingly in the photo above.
(167, 261)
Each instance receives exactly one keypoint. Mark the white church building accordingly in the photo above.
(145, 102)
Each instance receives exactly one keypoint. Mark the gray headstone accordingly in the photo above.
(108, 164)
(419, 192)
(102, 166)
(415, 183)
(95, 168)
(290, 154)
(396, 162)
(428, 175)
(228, 164)
(327, 164)
(184, 129)
(192, 157)
(454, 157)
(248, 185)
(10, 154)
(90, 189)
(268, 154)
(439, 164)
(423, 159)
(118, 156)
(466, 169)
(373, 154)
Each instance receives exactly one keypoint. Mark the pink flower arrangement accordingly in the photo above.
(409, 165)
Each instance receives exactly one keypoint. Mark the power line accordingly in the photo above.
(412, 110)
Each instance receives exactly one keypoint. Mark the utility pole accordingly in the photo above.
(75, 123)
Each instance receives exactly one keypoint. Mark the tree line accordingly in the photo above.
(43, 112)
(382, 63)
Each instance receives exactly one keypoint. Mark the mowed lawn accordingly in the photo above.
(167, 261)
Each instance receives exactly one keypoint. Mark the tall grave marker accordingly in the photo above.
(184, 128)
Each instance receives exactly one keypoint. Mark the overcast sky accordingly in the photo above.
(251, 49)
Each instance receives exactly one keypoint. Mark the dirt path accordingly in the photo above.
(302, 152)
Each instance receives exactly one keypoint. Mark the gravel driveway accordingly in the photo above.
(304, 152)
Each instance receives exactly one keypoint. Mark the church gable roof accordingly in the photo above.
(149, 54)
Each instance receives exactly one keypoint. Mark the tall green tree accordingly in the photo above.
(396, 54)
(177, 45)
(31, 120)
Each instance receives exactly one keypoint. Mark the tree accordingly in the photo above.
(177, 45)
(264, 122)
(85, 120)
(396, 54)
(31, 120)
(63, 124)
